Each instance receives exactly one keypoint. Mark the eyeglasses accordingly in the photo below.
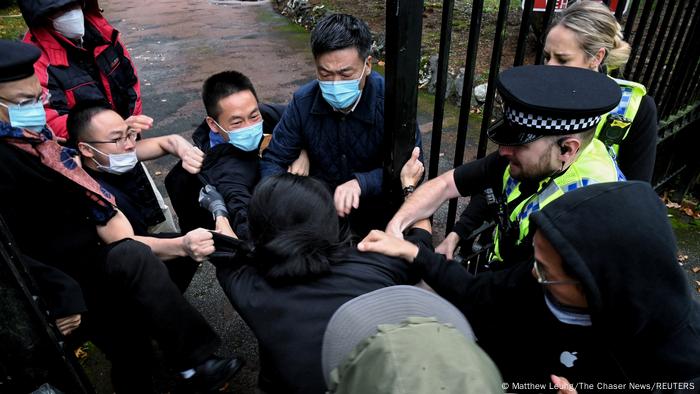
(43, 98)
(119, 142)
(543, 281)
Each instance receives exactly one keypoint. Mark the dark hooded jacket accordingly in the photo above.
(614, 238)
(99, 71)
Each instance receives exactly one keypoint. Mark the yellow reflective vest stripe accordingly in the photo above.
(594, 165)
(632, 94)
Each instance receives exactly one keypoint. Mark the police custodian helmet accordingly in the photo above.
(544, 100)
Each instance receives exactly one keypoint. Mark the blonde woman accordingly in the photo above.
(587, 35)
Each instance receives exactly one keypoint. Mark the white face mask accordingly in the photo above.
(119, 163)
(71, 24)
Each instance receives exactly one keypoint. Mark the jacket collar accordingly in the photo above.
(365, 108)
(200, 137)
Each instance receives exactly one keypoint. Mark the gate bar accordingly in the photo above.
(465, 103)
(403, 36)
(441, 86)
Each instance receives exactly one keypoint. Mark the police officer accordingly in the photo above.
(546, 149)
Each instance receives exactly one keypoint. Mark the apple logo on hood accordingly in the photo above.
(568, 358)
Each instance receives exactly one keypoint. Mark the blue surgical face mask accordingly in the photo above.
(246, 138)
(29, 116)
(119, 163)
(341, 94)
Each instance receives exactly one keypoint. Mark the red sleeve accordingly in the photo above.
(54, 118)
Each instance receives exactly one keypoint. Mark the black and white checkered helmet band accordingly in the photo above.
(547, 123)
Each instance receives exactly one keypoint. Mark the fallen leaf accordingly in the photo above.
(161, 173)
(380, 63)
(80, 353)
(698, 282)
(695, 270)
(682, 257)
(673, 205)
(688, 211)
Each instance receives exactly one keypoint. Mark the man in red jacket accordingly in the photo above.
(82, 59)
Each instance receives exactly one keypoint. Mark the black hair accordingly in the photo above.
(79, 118)
(340, 31)
(222, 85)
(294, 228)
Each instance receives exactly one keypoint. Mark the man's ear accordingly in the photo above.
(569, 147)
(212, 125)
(369, 64)
(85, 150)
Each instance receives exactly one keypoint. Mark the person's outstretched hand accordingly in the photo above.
(139, 122)
(378, 241)
(198, 244)
(448, 245)
(192, 159)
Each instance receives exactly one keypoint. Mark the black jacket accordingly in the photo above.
(134, 196)
(289, 320)
(615, 238)
(51, 221)
(232, 171)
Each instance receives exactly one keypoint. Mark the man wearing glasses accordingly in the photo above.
(603, 303)
(110, 153)
(92, 272)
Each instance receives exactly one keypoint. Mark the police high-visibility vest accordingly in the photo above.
(615, 125)
(594, 165)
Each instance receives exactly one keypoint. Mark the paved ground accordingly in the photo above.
(176, 44)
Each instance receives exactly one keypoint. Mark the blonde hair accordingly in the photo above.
(596, 27)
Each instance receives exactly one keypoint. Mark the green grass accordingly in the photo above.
(12, 25)
(680, 221)
(491, 6)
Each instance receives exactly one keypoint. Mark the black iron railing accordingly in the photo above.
(33, 352)
(665, 58)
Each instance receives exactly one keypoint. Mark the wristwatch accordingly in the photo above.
(408, 190)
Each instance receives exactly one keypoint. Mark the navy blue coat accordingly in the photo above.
(341, 147)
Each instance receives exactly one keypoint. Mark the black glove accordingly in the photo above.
(211, 200)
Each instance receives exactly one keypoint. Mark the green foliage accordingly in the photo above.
(12, 25)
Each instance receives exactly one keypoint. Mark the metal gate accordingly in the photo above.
(664, 36)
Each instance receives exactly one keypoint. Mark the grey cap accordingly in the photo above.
(360, 317)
